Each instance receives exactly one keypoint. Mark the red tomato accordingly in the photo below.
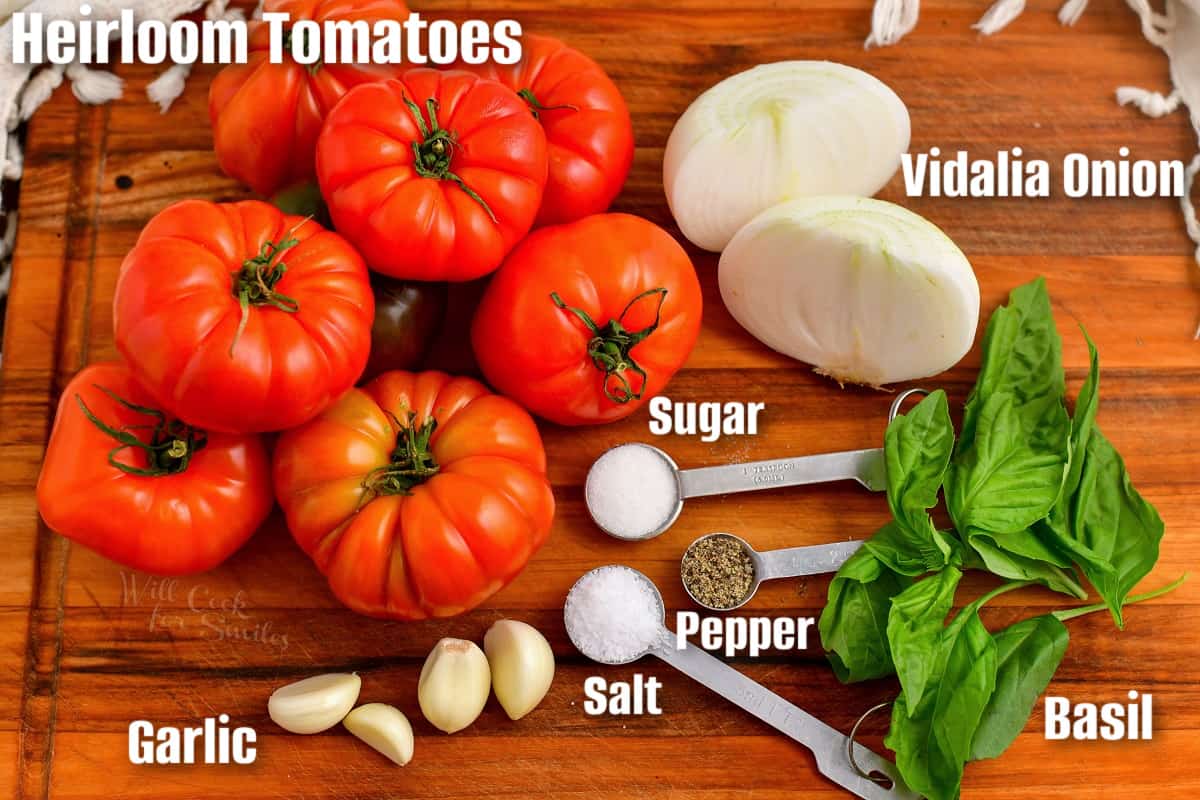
(435, 176)
(178, 501)
(589, 135)
(266, 117)
(299, 339)
(419, 495)
(586, 321)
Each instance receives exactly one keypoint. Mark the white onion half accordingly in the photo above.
(864, 290)
(776, 132)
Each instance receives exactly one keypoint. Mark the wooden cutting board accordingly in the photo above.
(88, 647)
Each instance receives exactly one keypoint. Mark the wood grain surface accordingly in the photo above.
(86, 647)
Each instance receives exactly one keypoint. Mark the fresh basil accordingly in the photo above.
(1034, 495)
(917, 449)
(931, 734)
(1027, 656)
(914, 628)
(1116, 530)
(1005, 482)
(853, 624)
(1022, 356)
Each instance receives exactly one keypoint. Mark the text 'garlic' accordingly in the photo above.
(522, 665)
(454, 685)
(777, 132)
(864, 290)
(314, 704)
(384, 728)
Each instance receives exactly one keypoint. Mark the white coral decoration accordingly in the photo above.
(24, 87)
(1176, 31)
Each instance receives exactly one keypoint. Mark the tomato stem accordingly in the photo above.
(535, 105)
(254, 284)
(610, 346)
(171, 443)
(432, 156)
(412, 463)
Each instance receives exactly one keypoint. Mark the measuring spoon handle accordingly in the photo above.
(865, 466)
(826, 743)
(795, 562)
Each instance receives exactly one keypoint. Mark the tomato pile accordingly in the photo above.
(417, 494)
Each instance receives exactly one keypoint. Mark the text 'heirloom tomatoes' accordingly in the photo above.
(266, 117)
(589, 136)
(434, 176)
(236, 317)
(418, 495)
(587, 321)
(143, 489)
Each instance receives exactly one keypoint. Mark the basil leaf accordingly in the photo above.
(853, 624)
(915, 625)
(1022, 356)
(917, 449)
(1116, 532)
(1024, 556)
(913, 556)
(931, 735)
(1027, 656)
(1007, 480)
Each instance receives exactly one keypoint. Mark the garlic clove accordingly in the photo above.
(314, 704)
(454, 684)
(522, 665)
(384, 728)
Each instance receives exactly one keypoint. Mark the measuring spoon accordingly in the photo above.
(830, 747)
(789, 562)
(865, 466)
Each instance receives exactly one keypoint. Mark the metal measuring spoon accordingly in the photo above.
(828, 745)
(865, 466)
(789, 562)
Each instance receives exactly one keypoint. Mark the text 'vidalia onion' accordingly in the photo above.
(864, 290)
(778, 132)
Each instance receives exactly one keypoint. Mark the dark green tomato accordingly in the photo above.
(408, 314)
(303, 200)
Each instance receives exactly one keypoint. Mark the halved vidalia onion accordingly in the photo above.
(864, 290)
(776, 132)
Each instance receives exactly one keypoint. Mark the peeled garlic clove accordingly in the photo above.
(314, 704)
(522, 665)
(776, 132)
(454, 684)
(384, 728)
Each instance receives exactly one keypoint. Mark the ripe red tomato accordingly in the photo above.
(589, 135)
(149, 493)
(434, 176)
(238, 318)
(586, 321)
(266, 117)
(418, 495)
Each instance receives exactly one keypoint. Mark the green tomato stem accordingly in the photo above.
(171, 443)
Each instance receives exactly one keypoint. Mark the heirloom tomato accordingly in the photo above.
(586, 321)
(145, 490)
(266, 117)
(433, 176)
(418, 495)
(235, 317)
(589, 136)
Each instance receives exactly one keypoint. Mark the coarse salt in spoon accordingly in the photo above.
(615, 615)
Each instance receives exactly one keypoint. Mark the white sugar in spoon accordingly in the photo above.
(614, 504)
